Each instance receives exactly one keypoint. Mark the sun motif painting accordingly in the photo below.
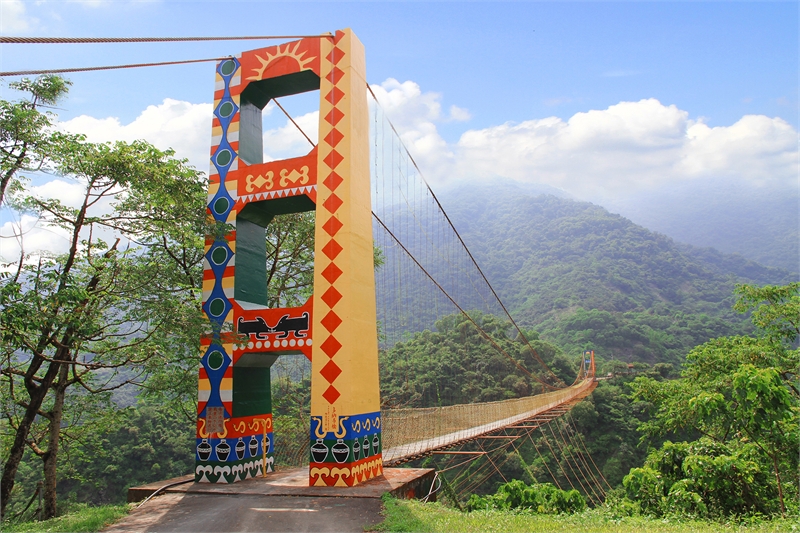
(336, 328)
(283, 59)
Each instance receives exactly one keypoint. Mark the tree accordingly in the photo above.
(27, 139)
(124, 298)
(740, 392)
(290, 259)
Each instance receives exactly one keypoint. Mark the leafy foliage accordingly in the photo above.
(541, 498)
(125, 307)
(27, 138)
(587, 279)
(703, 479)
(741, 394)
(455, 364)
(290, 259)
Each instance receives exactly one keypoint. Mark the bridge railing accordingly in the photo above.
(409, 433)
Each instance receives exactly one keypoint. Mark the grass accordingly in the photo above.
(415, 516)
(80, 519)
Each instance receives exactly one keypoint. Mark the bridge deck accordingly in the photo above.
(458, 423)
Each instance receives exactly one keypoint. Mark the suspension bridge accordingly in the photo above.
(388, 265)
(369, 200)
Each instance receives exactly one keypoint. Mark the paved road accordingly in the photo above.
(207, 513)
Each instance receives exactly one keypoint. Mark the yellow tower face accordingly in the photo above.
(345, 399)
(336, 328)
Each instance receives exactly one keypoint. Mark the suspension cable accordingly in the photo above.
(97, 40)
(566, 460)
(110, 67)
(458, 235)
(577, 460)
(582, 458)
(463, 312)
(583, 444)
(560, 466)
(296, 125)
(530, 436)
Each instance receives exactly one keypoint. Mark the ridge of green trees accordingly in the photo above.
(588, 279)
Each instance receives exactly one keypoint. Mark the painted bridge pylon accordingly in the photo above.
(336, 328)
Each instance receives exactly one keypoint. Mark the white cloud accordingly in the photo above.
(287, 141)
(70, 193)
(757, 148)
(596, 154)
(14, 19)
(182, 126)
(459, 114)
(414, 115)
(37, 238)
(627, 147)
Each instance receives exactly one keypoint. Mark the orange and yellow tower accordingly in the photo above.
(336, 328)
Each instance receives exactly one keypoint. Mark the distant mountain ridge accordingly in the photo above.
(760, 222)
(588, 279)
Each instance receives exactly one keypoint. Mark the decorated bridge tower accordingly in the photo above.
(336, 328)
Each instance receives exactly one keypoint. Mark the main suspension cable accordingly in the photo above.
(107, 40)
(463, 312)
(98, 40)
(458, 235)
(111, 67)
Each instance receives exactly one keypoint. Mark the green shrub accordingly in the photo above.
(540, 498)
(703, 479)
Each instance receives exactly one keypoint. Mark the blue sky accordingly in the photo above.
(501, 61)
(605, 101)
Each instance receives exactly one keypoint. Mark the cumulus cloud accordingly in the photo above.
(459, 114)
(595, 154)
(14, 18)
(757, 148)
(42, 236)
(69, 193)
(36, 238)
(626, 148)
(287, 141)
(414, 115)
(182, 126)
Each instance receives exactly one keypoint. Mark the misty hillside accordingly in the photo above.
(760, 223)
(585, 278)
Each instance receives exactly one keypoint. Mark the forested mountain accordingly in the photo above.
(588, 279)
(759, 221)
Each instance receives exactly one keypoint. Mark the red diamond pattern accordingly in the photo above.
(331, 346)
(335, 75)
(332, 203)
(332, 249)
(331, 321)
(331, 297)
(334, 137)
(330, 371)
(334, 116)
(331, 273)
(333, 159)
(333, 180)
(332, 226)
(331, 394)
(335, 55)
(334, 96)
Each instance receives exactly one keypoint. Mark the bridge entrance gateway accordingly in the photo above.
(336, 328)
